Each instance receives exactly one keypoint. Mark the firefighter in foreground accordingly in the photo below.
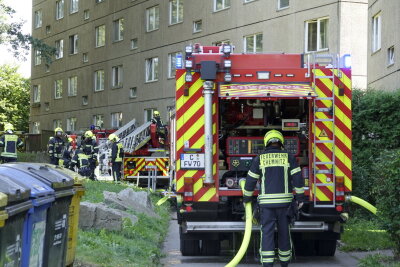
(10, 142)
(278, 174)
(89, 147)
(56, 146)
(117, 152)
(81, 161)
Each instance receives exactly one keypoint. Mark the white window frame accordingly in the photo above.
(148, 114)
(71, 124)
(38, 57)
(225, 4)
(116, 120)
(133, 92)
(73, 86)
(390, 55)
(59, 9)
(99, 80)
(73, 44)
(195, 25)
(117, 76)
(254, 40)
(279, 5)
(86, 14)
(179, 11)
(118, 30)
(36, 127)
(99, 1)
(319, 48)
(85, 57)
(36, 93)
(48, 29)
(100, 35)
(58, 84)
(376, 32)
(74, 6)
(98, 120)
(151, 71)
(155, 13)
(38, 18)
(172, 64)
(134, 43)
(59, 44)
(57, 123)
(248, 1)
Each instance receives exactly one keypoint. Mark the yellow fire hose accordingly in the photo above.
(362, 203)
(247, 233)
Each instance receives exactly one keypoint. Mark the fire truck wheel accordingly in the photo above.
(210, 247)
(304, 247)
(190, 247)
(326, 247)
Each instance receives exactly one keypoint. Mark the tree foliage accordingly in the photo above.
(14, 98)
(18, 42)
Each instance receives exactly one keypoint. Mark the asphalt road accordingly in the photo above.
(175, 259)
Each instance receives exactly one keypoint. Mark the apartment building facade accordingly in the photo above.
(383, 44)
(115, 59)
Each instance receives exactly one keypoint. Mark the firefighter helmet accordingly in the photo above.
(8, 127)
(89, 134)
(58, 129)
(156, 113)
(113, 137)
(273, 136)
(70, 139)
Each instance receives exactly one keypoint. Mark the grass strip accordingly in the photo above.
(379, 260)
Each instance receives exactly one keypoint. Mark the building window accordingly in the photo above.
(99, 1)
(48, 29)
(117, 76)
(175, 11)
(85, 100)
(221, 4)
(57, 123)
(38, 57)
(36, 127)
(197, 26)
(376, 32)
(59, 9)
(74, 6)
(38, 19)
(58, 84)
(71, 124)
(36, 94)
(172, 64)
(47, 68)
(59, 49)
(317, 35)
(100, 36)
(283, 4)
(118, 26)
(134, 43)
(85, 57)
(153, 18)
(253, 43)
(86, 14)
(99, 80)
(148, 114)
(390, 55)
(220, 43)
(46, 106)
(133, 92)
(248, 1)
(72, 86)
(73, 44)
(152, 69)
(116, 120)
(98, 120)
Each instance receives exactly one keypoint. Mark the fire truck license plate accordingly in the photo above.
(192, 161)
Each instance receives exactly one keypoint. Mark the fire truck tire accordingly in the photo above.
(210, 247)
(190, 247)
(304, 247)
(326, 247)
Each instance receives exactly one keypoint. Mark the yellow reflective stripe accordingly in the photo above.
(247, 193)
(299, 190)
(263, 181)
(268, 260)
(285, 171)
(296, 170)
(284, 258)
(275, 201)
(253, 175)
(268, 253)
(289, 195)
(284, 253)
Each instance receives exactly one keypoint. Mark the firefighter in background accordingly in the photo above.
(56, 146)
(117, 153)
(10, 142)
(161, 129)
(89, 147)
(81, 161)
(278, 174)
(67, 154)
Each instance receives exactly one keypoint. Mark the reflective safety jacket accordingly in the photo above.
(80, 159)
(10, 142)
(56, 147)
(278, 174)
(90, 148)
(117, 152)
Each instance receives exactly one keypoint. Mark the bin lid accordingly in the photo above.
(38, 188)
(45, 173)
(15, 192)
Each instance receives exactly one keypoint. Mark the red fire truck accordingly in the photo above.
(225, 103)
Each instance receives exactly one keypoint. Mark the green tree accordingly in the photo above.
(14, 98)
(19, 43)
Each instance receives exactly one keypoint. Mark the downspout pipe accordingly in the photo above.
(208, 91)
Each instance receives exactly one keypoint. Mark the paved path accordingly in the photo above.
(175, 259)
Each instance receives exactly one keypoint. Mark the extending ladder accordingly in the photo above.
(324, 121)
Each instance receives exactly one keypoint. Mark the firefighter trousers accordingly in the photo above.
(116, 171)
(269, 217)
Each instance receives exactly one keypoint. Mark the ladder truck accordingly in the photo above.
(225, 103)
